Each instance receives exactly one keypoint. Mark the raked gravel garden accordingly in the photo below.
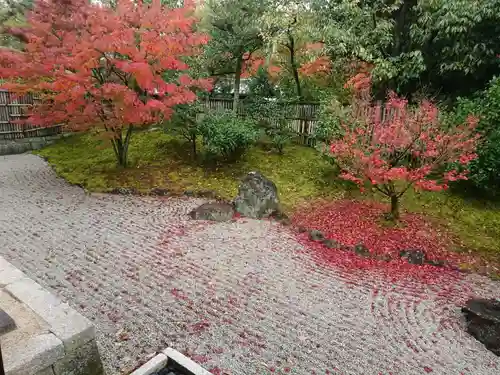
(239, 297)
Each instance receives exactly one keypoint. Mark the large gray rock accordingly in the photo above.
(213, 211)
(257, 197)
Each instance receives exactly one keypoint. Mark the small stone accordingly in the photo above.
(213, 211)
(316, 235)
(436, 263)
(189, 193)
(124, 191)
(413, 256)
(210, 194)
(362, 250)
(384, 257)
(302, 229)
(331, 244)
(160, 192)
(286, 222)
(281, 217)
(122, 335)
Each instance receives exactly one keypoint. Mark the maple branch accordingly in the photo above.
(382, 191)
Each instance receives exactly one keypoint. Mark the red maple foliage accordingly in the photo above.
(111, 68)
(395, 147)
(313, 63)
(255, 61)
(358, 222)
(319, 66)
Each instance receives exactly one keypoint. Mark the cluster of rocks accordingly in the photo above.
(257, 198)
(412, 256)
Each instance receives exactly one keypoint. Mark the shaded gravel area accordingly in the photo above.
(241, 297)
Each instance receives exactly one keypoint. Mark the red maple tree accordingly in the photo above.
(111, 68)
(394, 147)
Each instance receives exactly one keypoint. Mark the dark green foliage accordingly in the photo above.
(227, 136)
(270, 116)
(331, 113)
(12, 15)
(260, 86)
(448, 47)
(185, 121)
(485, 170)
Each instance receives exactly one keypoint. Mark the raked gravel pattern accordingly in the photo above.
(240, 297)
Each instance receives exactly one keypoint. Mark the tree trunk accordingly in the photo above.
(395, 207)
(293, 64)
(237, 81)
(120, 147)
(193, 145)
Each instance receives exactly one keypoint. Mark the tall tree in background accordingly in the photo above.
(12, 16)
(285, 30)
(111, 68)
(415, 43)
(234, 27)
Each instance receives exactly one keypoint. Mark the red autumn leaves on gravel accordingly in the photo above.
(360, 222)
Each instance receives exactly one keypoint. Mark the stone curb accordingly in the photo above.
(72, 328)
(185, 362)
(68, 331)
(161, 360)
(36, 355)
(154, 364)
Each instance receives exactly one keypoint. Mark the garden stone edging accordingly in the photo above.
(412, 256)
(21, 145)
(63, 344)
(161, 360)
(163, 192)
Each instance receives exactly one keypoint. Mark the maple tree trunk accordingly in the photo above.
(120, 146)
(237, 81)
(394, 207)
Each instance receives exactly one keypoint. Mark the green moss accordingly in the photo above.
(475, 223)
(161, 160)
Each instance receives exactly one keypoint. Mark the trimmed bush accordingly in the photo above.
(227, 136)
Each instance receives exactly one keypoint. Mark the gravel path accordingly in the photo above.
(240, 297)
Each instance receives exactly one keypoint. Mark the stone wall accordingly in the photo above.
(50, 338)
(18, 146)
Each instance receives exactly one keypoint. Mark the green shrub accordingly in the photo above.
(185, 121)
(227, 136)
(270, 116)
(484, 172)
(330, 115)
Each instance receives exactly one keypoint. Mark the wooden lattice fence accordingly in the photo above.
(302, 118)
(13, 108)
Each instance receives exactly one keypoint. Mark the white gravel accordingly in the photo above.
(242, 297)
